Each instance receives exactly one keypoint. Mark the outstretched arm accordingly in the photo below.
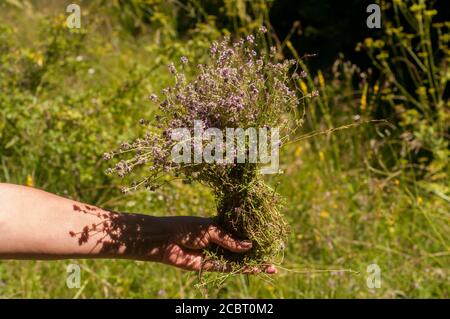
(38, 225)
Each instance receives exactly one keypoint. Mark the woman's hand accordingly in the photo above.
(189, 235)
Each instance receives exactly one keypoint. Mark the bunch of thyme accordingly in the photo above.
(241, 87)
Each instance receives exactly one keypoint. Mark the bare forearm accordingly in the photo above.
(39, 225)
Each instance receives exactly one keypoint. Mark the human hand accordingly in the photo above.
(189, 235)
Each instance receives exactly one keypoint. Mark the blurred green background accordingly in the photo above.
(372, 193)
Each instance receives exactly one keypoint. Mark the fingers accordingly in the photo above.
(221, 238)
(175, 255)
(184, 251)
(194, 260)
(271, 269)
(268, 269)
(216, 266)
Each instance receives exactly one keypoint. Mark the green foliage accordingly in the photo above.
(413, 59)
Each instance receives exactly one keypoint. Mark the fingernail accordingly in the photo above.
(271, 270)
(246, 243)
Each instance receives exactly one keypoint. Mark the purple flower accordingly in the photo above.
(225, 73)
(250, 38)
(172, 68)
(253, 89)
(213, 48)
(273, 50)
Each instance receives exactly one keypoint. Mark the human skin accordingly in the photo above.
(38, 225)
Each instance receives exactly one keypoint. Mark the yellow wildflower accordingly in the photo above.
(376, 88)
(363, 102)
(430, 13)
(324, 214)
(321, 79)
(368, 42)
(321, 156)
(29, 181)
(298, 151)
(419, 200)
(303, 87)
